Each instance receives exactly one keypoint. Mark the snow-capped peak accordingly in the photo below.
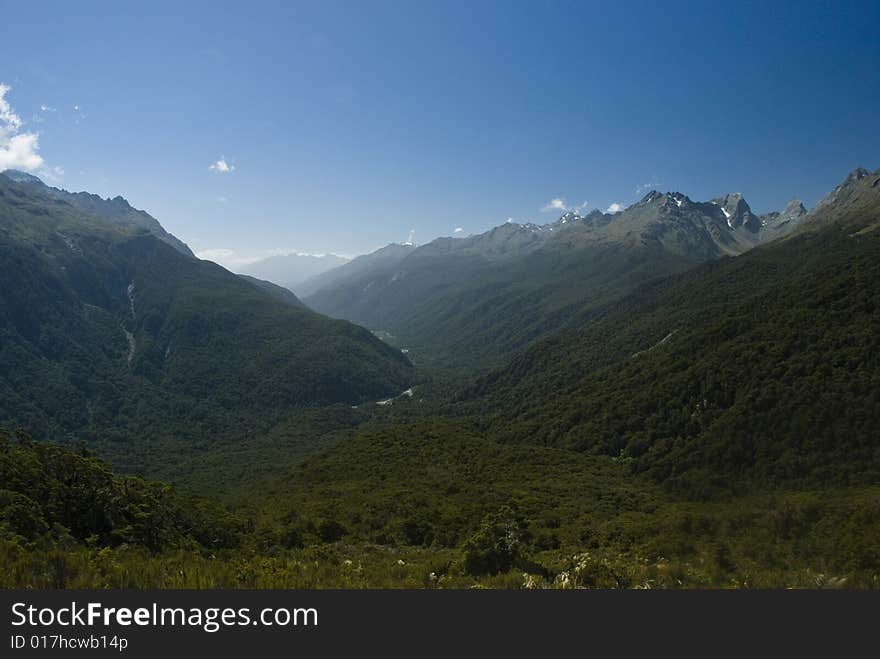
(677, 198)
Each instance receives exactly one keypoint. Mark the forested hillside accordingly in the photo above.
(113, 337)
(756, 371)
(715, 427)
(470, 303)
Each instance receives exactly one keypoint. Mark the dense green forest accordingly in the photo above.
(109, 335)
(431, 505)
(712, 428)
(754, 371)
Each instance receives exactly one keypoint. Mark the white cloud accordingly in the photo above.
(457, 230)
(46, 108)
(228, 258)
(221, 166)
(232, 260)
(509, 220)
(557, 204)
(293, 252)
(218, 253)
(614, 208)
(9, 121)
(18, 150)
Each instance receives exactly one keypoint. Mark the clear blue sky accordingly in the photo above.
(348, 124)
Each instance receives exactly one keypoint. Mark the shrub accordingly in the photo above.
(496, 546)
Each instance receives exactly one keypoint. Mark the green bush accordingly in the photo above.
(496, 546)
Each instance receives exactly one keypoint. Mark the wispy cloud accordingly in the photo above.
(645, 187)
(293, 252)
(18, 150)
(237, 262)
(45, 110)
(614, 208)
(221, 166)
(558, 204)
(457, 230)
(51, 174)
(228, 258)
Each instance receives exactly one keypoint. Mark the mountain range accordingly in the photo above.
(743, 372)
(291, 270)
(681, 394)
(461, 302)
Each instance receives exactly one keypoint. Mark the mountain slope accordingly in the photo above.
(116, 210)
(357, 274)
(749, 372)
(110, 334)
(51, 496)
(276, 291)
(779, 224)
(471, 302)
(851, 205)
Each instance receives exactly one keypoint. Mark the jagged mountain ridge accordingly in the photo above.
(848, 204)
(116, 210)
(777, 224)
(740, 372)
(475, 299)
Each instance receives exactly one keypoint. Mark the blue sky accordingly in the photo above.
(345, 125)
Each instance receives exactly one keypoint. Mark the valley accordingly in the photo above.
(677, 394)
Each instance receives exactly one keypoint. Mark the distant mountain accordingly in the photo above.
(291, 270)
(471, 301)
(776, 224)
(724, 226)
(352, 273)
(116, 210)
(738, 374)
(110, 335)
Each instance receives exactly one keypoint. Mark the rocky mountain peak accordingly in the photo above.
(653, 195)
(793, 210)
(842, 191)
(569, 216)
(22, 177)
(676, 199)
(856, 175)
(737, 212)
